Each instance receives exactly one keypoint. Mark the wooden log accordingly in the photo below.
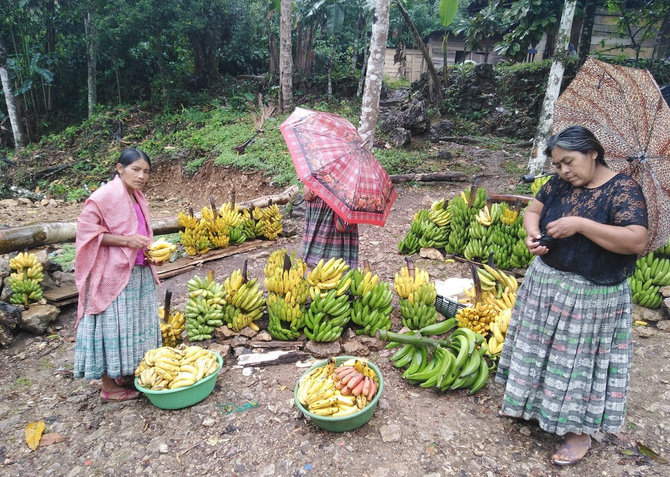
(509, 198)
(429, 177)
(33, 236)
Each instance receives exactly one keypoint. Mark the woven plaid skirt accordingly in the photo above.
(322, 240)
(568, 351)
(114, 342)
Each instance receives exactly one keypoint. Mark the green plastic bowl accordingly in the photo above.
(342, 423)
(183, 397)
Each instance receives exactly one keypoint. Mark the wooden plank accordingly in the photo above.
(270, 358)
(65, 295)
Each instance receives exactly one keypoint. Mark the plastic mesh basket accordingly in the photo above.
(447, 307)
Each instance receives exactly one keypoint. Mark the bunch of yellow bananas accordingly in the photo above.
(326, 276)
(171, 368)
(25, 281)
(245, 301)
(160, 251)
(478, 318)
(404, 284)
(269, 219)
(498, 332)
(172, 326)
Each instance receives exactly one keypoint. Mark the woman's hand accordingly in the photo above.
(308, 194)
(564, 227)
(137, 241)
(534, 245)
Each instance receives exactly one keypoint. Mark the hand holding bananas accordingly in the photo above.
(171, 368)
(25, 281)
(160, 251)
(337, 391)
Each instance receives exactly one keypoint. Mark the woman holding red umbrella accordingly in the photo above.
(326, 235)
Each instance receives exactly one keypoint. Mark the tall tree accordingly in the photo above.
(10, 100)
(539, 160)
(285, 57)
(91, 59)
(587, 30)
(375, 72)
(436, 90)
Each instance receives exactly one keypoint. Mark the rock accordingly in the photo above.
(222, 349)
(5, 271)
(6, 292)
(525, 431)
(239, 341)
(371, 343)
(441, 129)
(25, 201)
(248, 332)
(354, 348)
(665, 291)
(643, 331)
(223, 333)
(323, 350)
(208, 422)
(263, 336)
(665, 307)
(412, 116)
(663, 325)
(52, 203)
(37, 318)
(391, 432)
(399, 137)
(445, 155)
(10, 316)
(6, 337)
(648, 314)
(8, 203)
(431, 253)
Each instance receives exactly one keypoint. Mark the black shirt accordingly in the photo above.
(617, 202)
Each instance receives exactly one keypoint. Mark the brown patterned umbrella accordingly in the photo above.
(624, 108)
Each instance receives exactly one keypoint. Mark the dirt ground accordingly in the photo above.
(413, 431)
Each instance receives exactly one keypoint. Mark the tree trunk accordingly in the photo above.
(434, 78)
(587, 30)
(364, 73)
(10, 100)
(272, 47)
(49, 44)
(32, 236)
(538, 161)
(91, 47)
(662, 46)
(375, 73)
(285, 57)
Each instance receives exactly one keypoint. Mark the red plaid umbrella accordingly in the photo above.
(330, 159)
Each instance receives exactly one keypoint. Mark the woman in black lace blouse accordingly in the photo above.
(567, 355)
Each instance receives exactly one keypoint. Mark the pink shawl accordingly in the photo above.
(101, 270)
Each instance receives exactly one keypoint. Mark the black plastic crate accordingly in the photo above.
(447, 307)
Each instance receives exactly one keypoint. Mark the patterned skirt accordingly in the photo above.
(114, 342)
(568, 351)
(322, 240)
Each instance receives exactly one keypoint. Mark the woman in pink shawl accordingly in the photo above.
(117, 318)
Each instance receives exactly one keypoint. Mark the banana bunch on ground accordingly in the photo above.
(478, 241)
(434, 236)
(498, 289)
(338, 391)
(187, 221)
(160, 251)
(410, 243)
(196, 239)
(172, 368)
(509, 216)
(230, 215)
(279, 310)
(439, 213)
(25, 280)
(172, 326)
(409, 279)
(287, 278)
(538, 183)
(204, 307)
(664, 250)
(217, 228)
(328, 313)
(270, 220)
(248, 228)
(456, 362)
(371, 308)
(485, 216)
(651, 272)
(245, 300)
(501, 244)
(478, 318)
(327, 276)
(460, 222)
(498, 329)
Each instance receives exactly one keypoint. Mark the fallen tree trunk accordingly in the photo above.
(430, 177)
(32, 236)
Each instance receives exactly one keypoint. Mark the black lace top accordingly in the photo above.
(617, 202)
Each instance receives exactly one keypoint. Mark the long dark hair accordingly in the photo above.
(130, 155)
(576, 138)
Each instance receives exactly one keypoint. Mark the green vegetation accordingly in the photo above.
(64, 256)
(21, 383)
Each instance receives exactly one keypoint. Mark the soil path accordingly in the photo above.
(413, 432)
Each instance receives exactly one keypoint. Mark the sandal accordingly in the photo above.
(122, 394)
(568, 450)
(125, 381)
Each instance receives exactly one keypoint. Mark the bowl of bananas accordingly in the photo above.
(175, 378)
(340, 393)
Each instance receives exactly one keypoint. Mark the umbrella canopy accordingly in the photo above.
(624, 108)
(330, 159)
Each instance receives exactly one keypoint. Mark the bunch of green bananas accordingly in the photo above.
(456, 364)
(538, 183)
(328, 276)
(434, 236)
(270, 220)
(172, 368)
(664, 250)
(248, 228)
(328, 313)
(418, 314)
(25, 281)
(245, 301)
(371, 308)
(204, 307)
(279, 310)
(501, 243)
(460, 222)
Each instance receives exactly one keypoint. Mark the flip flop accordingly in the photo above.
(568, 449)
(122, 394)
(125, 381)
